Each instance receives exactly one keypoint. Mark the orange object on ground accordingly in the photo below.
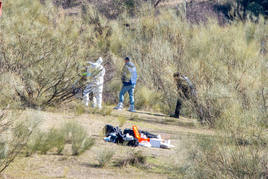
(137, 134)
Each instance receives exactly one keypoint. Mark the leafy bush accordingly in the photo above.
(77, 136)
(105, 157)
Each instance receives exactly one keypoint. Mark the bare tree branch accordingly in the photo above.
(157, 3)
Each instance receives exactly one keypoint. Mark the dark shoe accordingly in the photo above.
(175, 116)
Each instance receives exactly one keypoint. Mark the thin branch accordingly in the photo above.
(264, 100)
(157, 3)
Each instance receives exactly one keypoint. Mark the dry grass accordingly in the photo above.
(122, 120)
(104, 157)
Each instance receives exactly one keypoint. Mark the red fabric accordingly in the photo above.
(0, 8)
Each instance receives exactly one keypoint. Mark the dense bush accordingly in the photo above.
(42, 58)
(224, 63)
(41, 53)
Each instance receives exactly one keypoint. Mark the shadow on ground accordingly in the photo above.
(154, 118)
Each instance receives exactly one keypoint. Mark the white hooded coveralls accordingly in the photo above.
(96, 85)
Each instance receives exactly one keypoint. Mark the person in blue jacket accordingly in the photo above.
(129, 79)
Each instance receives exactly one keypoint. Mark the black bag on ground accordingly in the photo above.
(108, 129)
(119, 137)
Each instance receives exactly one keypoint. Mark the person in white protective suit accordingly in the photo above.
(96, 71)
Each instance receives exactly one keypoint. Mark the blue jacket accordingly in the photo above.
(129, 74)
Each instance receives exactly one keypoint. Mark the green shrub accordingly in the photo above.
(77, 136)
(146, 98)
(136, 159)
(44, 141)
(239, 150)
(57, 140)
(44, 144)
(104, 157)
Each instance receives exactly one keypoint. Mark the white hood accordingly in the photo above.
(97, 63)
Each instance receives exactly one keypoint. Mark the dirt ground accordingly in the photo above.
(85, 166)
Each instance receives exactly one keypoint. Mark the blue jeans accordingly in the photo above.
(130, 90)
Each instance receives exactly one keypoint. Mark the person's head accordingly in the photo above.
(127, 59)
(176, 75)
